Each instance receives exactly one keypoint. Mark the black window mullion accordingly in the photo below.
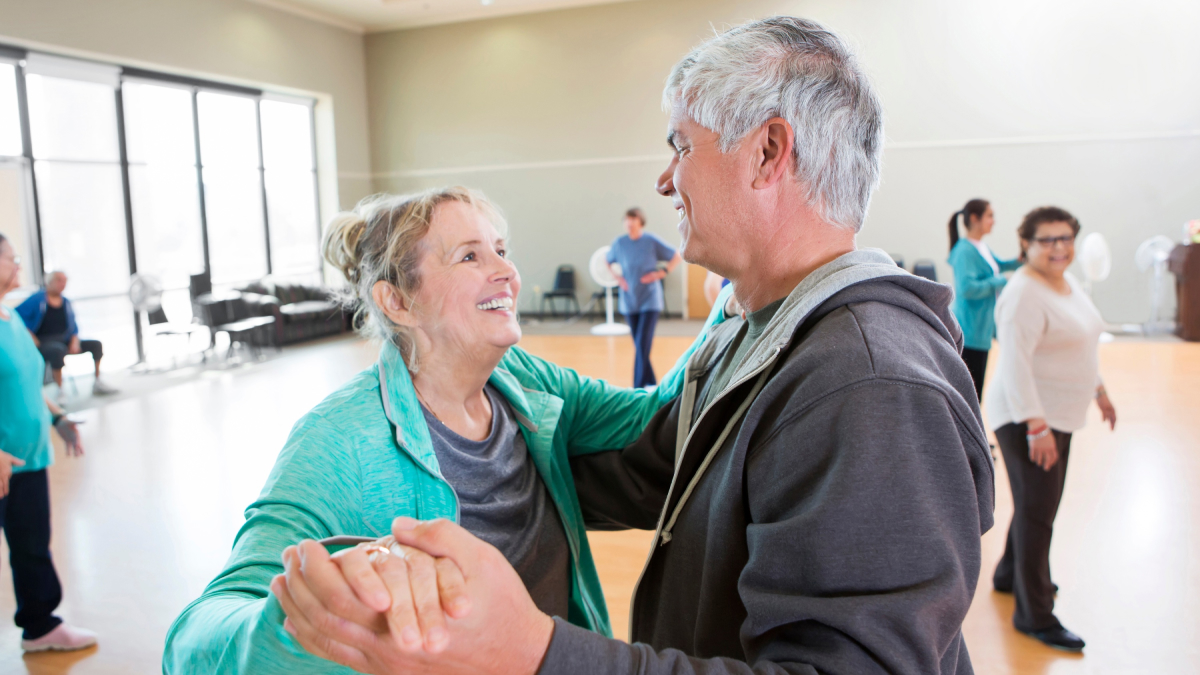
(262, 180)
(27, 153)
(128, 201)
(200, 183)
(312, 132)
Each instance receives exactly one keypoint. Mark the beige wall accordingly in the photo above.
(1087, 104)
(228, 40)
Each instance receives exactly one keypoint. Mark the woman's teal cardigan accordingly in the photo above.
(976, 286)
(362, 457)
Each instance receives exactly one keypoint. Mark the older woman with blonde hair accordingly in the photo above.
(454, 421)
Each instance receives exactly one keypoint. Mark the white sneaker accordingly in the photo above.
(63, 638)
(99, 388)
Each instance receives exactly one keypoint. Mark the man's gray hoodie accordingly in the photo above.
(823, 513)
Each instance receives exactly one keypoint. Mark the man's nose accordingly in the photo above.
(665, 185)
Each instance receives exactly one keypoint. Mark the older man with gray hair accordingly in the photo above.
(819, 489)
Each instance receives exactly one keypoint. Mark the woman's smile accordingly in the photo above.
(502, 302)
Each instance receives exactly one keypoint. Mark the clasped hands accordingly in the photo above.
(430, 598)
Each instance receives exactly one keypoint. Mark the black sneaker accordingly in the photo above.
(1058, 638)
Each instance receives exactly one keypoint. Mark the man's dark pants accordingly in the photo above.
(55, 351)
(641, 326)
(1025, 567)
(25, 519)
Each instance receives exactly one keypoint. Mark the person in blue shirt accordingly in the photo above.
(51, 321)
(25, 451)
(644, 260)
(978, 279)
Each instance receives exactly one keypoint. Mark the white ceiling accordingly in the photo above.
(369, 16)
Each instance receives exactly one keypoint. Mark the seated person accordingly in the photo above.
(50, 318)
(454, 421)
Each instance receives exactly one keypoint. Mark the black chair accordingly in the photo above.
(925, 268)
(564, 288)
(200, 284)
(898, 259)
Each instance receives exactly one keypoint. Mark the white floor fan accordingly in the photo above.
(1151, 256)
(598, 266)
(1096, 260)
(145, 294)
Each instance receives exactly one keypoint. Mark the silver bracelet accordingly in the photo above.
(1041, 434)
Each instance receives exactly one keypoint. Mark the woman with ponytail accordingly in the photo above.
(977, 282)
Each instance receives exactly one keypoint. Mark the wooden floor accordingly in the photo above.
(147, 517)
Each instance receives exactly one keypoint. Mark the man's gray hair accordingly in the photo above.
(798, 70)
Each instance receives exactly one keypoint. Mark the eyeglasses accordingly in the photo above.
(1049, 242)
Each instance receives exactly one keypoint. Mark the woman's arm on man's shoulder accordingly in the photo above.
(236, 626)
(601, 416)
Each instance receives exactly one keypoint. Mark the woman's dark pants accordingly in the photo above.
(25, 518)
(1025, 567)
(641, 326)
(976, 360)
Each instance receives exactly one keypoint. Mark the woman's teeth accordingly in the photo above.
(496, 303)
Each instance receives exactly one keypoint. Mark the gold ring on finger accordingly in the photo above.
(376, 552)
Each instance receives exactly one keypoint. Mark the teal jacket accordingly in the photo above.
(976, 286)
(362, 457)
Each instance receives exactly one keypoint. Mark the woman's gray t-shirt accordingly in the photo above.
(503, 501)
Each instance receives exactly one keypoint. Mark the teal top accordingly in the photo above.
(976, 286)
(24, 417)
(361, 458)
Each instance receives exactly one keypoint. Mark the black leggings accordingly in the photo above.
(976, 361)
(25, 519)
(55, 352)
(1025, 567)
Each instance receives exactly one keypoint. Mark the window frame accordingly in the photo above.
(18, 56)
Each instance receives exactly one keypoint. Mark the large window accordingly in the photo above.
(81, 198)
(229, 153)
(77, 165)
(187, 176)
(164, 191)
(14, 216)
(291, 178)
(10, 114)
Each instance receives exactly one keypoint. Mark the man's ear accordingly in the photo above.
(392, 304)
(775, 140)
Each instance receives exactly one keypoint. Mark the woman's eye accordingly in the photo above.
(503, 253)
(468, 257)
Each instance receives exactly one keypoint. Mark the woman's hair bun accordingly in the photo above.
(341, 245)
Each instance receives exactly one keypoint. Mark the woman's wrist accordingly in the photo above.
(1036, 428)
(1101, 391)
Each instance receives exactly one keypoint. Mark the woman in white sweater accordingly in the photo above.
(1047, 375)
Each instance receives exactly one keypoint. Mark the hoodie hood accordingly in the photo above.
(870, 276)
(808, 300)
